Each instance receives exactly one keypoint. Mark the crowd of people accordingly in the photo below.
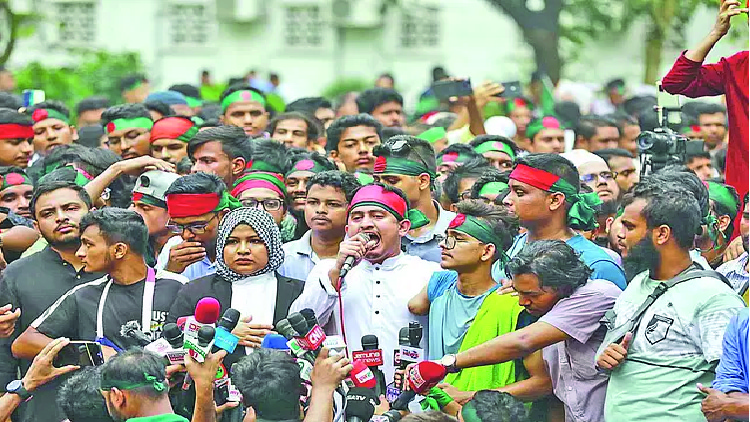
(550, 262)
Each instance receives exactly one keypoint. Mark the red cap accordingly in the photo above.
(207, 310)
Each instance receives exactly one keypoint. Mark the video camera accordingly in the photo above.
(664, 145)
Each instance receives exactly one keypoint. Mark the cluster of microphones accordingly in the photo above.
(301, 336)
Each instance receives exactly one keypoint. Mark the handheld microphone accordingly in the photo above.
(421, 378)
(335, 344)
(173, 351)
(389, 416)
(206, 313)
(313, 337)
(362, 376)
(372, 356)
(224, 339)
(284, 328)
(360, 405)
(172, 333)
(275, 341)
(199, 348)
(349, 261)
(132, 330)
(411, 352)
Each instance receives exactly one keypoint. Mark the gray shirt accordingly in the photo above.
(299, 258)
(575, 380)
(426, 245)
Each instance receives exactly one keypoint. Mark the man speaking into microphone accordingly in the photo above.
(377, 289)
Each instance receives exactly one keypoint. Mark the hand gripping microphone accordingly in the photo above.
(360, 405)
(349, 261)
(372, 356)
(206, 313)
(421, 378)
(224, 339)
(199, 348)
(411, 352)
(362, 376)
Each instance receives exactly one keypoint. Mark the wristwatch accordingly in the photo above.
(449, 362)
(16, 387)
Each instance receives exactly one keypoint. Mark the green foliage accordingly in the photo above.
(96, 73)
(342, 86)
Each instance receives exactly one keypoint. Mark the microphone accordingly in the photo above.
(389, 416)
(411, 352)
(172, 335)
(284, 328)
(335, 345)
(421, 378)
(314, 337)
(372, 356)
(349, 261)
(275, 341)
(361, 376)
(206, 313)
(132, 330)
(224, 339)
(360, 405)
(199, 348)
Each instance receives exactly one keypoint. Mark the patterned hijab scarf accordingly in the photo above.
(263, 224)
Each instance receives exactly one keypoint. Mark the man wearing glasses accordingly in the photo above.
(595, 173)
(196, 203)
(622, 163)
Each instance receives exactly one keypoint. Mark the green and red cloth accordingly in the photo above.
(16, 131)
(264, 166)
(306, 165)
(452, 157)
(546, 122)
(480, 230)
(375, 195)
(14, 179)
(497, 146)
(399, 165)
(242, 96)
(179, 128)
(48, 113)
(195, 204)
(581, 215)
(259, 179)
(136, 122)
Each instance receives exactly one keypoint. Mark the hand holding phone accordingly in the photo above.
(80, 353)
(452, 88)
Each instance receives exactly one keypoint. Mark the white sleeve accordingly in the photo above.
(318, 293)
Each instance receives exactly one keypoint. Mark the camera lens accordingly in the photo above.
(645, 141)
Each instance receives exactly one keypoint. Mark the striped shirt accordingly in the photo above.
(735, 271)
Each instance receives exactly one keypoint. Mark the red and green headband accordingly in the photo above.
(14, 179)
(259, 179)
(375, 195)
(582, 215)
(149, 200)
(48, 113)
(478, 229)
(452, 157)
(398, 165)
(546, 122)
(496, 146)
(264, 166)
(518, 102)
(194, 204)
(306, 165)
(241, 96)
(15, 131)
(178, 128)
(136, 122)
(433, 135)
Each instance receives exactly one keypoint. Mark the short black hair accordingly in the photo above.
(58, 106)
(127, 82)
(569, 113)
(271, 152)
(689, 158)
(210, 113)
(710, 108)
(13, 116)
(117, 225)
(234, 142)
(502, 222)
(296, 155)
(371, 99)
(387, 76)
(390, 132)
(11, 101)
(623, 119)
(681, 175)
(270, 383)
(615, 83)
(608, 153)
(346, 182)
(313, 126)
(337, 128)
(490, 175)
(638, 105)
(473, 168)
(124, 111)
(419, 150)
(308, 105)
(554, 263)
(497, 406)
(81, 399)
(479, 140)
(183, 166)
(197, 183)
(132, 366)
(92, 160)
(673, 206)
(720, 160)
(232, 88)
(587, 125)
(47, 187)
(97, 102)
(160, 107)
(555, 164)
(186, 90)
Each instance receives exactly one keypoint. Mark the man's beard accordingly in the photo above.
(67, 244)
(641, 257)
(113, 413)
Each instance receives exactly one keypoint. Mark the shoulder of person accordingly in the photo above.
(431, 266)
(598, 287)
(284, 279)
(168, 275)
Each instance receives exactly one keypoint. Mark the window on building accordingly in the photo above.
(189, 24)
(420, 28)
(303, 26)
(74, 22)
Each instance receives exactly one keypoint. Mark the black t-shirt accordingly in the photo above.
(74, 314)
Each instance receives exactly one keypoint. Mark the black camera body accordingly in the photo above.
(662, 147)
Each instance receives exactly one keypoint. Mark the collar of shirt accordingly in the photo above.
(441, 225)
(303, 246)
(387, 265)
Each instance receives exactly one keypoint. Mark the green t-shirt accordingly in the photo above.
(677, 344)
(167, 417)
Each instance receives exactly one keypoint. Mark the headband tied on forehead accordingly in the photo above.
(260, 165)
(546, 122)
(493, 188)
(48, 113)
(178, 128)
(453, 157)
(107, 384)
(15, 131)
(375, 195)
(259, 179)
(137, 122)
(398, 165)
(14, 179)
(480, 230)
(496, 146)
(194, 204)
(267, 230)
(242, 96)
(306, 165)
(582, 215)
(433, 135)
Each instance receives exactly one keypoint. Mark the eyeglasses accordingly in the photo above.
(194, 228)
(465, 195)
(449, 242)
(606, 175)
(268, 204)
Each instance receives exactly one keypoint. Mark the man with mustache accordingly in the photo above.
(328, 195)
(376, 292)
(595, 173)
(665, 330)
(128, 130)
(34, 283)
